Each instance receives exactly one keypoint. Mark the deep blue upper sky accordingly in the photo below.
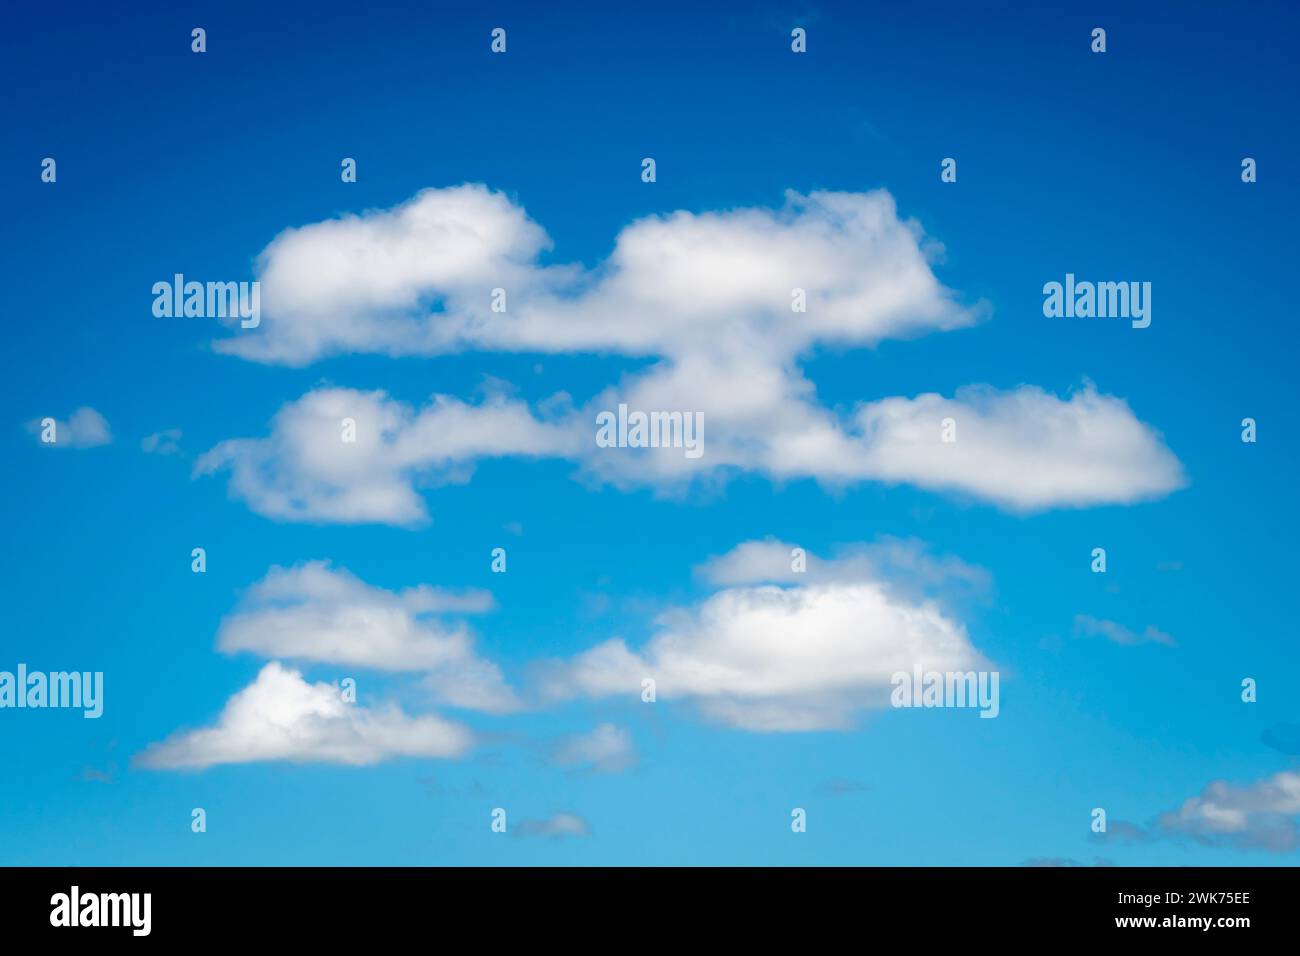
(1115, 166)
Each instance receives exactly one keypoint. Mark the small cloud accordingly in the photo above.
(165, 442)
(1258, 815)
(85, 428)
(93, 775)
(1169, 566)
(842, 787)
(514, 527)
(557, 827)
(1119, 634)
(607, 749)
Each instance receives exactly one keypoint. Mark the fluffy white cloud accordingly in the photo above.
(607, 749)
(1025, 449)
(305, 471)
(417, 280)
(404, 281)
(770, 658)
(282, 717)
(1259, 815)
(313, 612)
(708, 297)
(85, 428)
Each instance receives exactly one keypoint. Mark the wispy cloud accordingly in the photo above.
(1089, 626)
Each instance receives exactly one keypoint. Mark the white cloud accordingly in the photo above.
(1025, 449)
(557, 826)
(417, 280)
(769, 658)
(305, 471)
(1259, 815)
(607, 749)
(904, 565)
(403, 281)
(165, 442)
(85, 428)
(1119, 634)
(282, 717)
(313, 612)
(707, 297)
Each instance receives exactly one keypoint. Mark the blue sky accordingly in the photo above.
(1116, 166)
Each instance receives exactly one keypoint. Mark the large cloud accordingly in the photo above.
(1023, 449)
(768, 658)
(316, 613)
(708, 298)
(282, 717)
(418, 280)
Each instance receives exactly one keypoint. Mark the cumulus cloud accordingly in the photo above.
(282, 717)
(85, 428)
(771, 658)
(1259, 815)
(1119, 634)
(1023, 450)
(404, 281)
(606, 749)
(313, 612)
(706, 297)
(305, 470)
(557, 826)
(418, 279)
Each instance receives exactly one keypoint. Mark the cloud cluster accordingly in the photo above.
(1024, 449)
(709, 298)
(319, 614)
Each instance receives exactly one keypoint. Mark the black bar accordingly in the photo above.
(327, 905)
